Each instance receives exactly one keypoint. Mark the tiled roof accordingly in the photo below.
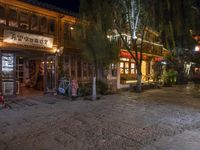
(51, 7)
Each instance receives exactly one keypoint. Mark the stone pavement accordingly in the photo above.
(159, 119)
(188, 140)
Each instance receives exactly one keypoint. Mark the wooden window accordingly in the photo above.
(114, 70)
(121, 67)
(66, 36)
(34, 22)
(126, 67)
(132, 68)
(52, 26)
(2, 15)
(119, 42)
(85, 70)
(69, 32)
(43, 24)
(12, 18)
(67, 65)
(24, 20)
(73, 66)
(79, 67)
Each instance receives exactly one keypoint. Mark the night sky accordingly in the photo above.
(70, 5)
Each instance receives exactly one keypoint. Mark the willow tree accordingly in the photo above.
(131, 20)
(93, 38)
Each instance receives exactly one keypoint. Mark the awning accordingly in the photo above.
(126, 54)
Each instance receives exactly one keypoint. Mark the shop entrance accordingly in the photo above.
(27, 75)
(50, 73)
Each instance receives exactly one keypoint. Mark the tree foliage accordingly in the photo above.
(174, 20)
(95, 44)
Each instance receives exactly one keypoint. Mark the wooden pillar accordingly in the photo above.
(56, 71)
(0, 72)
(82, 69)
(14, 76)
(76, 67)
(70, 66)
(45, 74)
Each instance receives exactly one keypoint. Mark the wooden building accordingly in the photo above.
(124, 73)
(31, 36)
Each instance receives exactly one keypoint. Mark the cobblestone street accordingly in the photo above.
(158, 119)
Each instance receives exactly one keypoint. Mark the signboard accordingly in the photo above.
(21, 38)
(7, 66)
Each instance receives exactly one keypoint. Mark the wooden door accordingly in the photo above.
(50, 73)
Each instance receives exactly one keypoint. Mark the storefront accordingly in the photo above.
(27, 64)
(124, 73)
(128, 71)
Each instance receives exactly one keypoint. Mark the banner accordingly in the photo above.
(21, 38)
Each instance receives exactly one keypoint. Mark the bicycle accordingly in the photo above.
(64, 87)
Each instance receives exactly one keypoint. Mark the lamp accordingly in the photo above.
(71, 28)
(59, 51)
(197, 49)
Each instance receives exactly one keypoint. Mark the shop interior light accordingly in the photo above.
(58, 50)
(71, 28)
(197, 48)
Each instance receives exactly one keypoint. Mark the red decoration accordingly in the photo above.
(126, 54)
(157, 59)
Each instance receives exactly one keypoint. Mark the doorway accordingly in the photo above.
(50, 74)
(27, 75)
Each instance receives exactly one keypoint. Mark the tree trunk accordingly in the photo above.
(95, 73)
(94, 94)
(139, 80)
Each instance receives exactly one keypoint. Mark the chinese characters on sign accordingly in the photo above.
(27, 39)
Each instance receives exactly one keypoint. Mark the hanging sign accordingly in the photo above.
(21, 38)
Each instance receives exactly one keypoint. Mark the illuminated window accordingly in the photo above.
(2, 15)
(52, 28)
(43, 24)
(126, 67)
(124, 59)
(121, 67)
(132, 68)
(12, 16)
(34, 22)
(24, 20)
